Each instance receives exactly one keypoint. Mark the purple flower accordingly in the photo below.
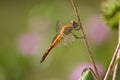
(79, 69)
(97, 30)
(28, 43)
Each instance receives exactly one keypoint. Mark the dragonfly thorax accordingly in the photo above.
(67, 30)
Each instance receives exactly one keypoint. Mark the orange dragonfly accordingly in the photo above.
(66, 30)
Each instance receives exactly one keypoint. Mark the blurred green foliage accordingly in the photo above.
(111, 12)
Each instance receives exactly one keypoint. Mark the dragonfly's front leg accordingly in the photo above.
(77, 36)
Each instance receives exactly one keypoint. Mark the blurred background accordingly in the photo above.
(27, 28)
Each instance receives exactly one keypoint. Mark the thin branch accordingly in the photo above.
(84, 35)
(115, 72)
(116, 65)
(112, 62)
(75, 10)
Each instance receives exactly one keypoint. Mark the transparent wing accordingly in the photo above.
(58, 26)
(67, 39)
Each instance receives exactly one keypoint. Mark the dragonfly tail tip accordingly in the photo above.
(41, 61)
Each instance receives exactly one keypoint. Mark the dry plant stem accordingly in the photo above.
(84, 35)
(116, 54)
(112, 62)
(115, 72)
(90, 55)
(116, 65)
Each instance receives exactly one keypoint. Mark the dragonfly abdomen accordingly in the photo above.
(46, 53)
(54, 43)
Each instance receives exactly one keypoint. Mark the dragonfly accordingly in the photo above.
(65, 30)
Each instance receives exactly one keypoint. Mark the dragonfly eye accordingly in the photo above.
(75, 25)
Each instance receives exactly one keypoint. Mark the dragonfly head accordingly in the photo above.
(75, 25)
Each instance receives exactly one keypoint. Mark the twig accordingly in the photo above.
(115, 56)
(115, 72)
(84, 35)
(112, 62)
(116, 65)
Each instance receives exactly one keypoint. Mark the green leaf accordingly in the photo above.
(87, 74)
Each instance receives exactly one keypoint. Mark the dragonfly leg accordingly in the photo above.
(77, 36)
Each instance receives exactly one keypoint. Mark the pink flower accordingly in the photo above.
(79, 69)
(97, 30)
(28, 43)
